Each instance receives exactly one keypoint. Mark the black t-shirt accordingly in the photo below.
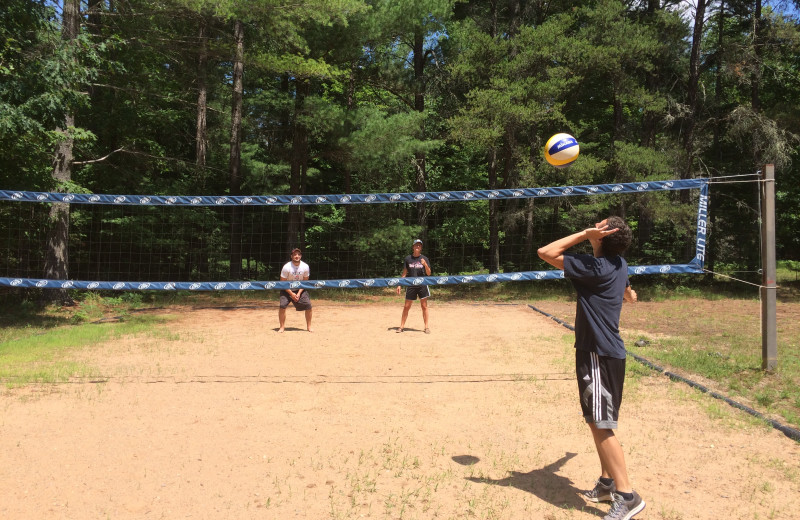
(414, 267)
(600, 283)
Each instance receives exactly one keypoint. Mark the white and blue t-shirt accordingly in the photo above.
(296, 272)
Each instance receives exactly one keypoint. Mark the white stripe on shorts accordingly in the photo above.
(597, 387)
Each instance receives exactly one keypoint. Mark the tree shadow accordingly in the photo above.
(543, 482)
(29, 314)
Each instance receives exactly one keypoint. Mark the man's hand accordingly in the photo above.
(553, 253)
(630, 295)
(398, 289)
(596, 234)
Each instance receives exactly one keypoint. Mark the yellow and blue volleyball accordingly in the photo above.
(561, 150)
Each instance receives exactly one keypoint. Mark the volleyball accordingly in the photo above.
(561, 150)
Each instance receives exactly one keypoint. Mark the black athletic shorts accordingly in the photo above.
(600, 382)
(302, 304)
(412, 291)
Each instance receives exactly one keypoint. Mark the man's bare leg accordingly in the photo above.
(281, 318)
(612, 458)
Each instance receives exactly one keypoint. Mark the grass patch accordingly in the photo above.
(737, 374)
(718, 343)
(31, 354)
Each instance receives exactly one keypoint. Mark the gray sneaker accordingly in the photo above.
(623, 509)
(600, 492)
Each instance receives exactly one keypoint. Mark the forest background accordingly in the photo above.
(194, 97)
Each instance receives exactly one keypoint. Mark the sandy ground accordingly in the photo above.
(218, 416)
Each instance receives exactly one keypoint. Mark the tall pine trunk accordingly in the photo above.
(201, 131)
(348, 169)
(57, 256)
(692, 91)
(650, 118)
(297, 163)
(494, 217)
(235, 155)
(711, 252)
(755, 76)
(529, 232)
(755, 100)
(419, 106)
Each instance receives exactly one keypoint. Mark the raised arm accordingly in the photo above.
(553, 253)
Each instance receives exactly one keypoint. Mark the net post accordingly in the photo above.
(769, 335)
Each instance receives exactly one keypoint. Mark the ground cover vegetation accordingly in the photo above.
(708, 333)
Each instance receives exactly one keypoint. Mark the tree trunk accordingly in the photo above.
(718, 94)
(493, 18)
(348, 171)
(236, 115)
(650, 119)
(529, 233)
(56, 263)
(711, 251)
(201, 132)
(419, 106)
(93, 16)
(692, 91)
(755, 76)
(297, 161)
(494, 219)
(94, 21)
(619, 116)
(57, 256)
(516, 18)
(235, 155)
(351, 93)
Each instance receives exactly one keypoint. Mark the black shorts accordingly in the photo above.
(600, 382)
(302, 304)
(413, 291)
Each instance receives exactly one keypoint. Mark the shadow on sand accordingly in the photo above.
(545, 483)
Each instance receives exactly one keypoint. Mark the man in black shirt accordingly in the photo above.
(601, 281)
(415, 265)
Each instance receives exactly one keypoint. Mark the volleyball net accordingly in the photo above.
(215, 243)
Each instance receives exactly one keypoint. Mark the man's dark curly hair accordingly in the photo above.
(616, 243)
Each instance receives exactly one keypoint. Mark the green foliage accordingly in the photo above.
(394, 236)
(381, 146)
(792, 265)
(752, 130)
(634, 162)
